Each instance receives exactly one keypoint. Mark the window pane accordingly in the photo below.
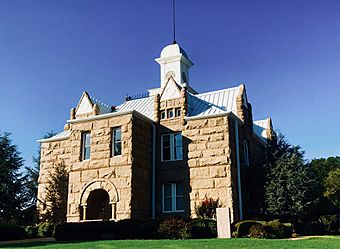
(179, 203)
(163, 115)
(178, 112)
(87, 138)
(178, 140)
(167, 190)
(167, 204)
(178, 153)
(170, 113)
(166, 154)
(117, 149)
(87, 153)
(179, 189)
(166, 141)
(117, 134)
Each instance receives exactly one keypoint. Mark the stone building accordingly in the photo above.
(158, 155)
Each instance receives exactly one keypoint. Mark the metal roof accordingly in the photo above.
(144, 106)
(213, 102)
(60, 136)
(103, 108)
(260, 127)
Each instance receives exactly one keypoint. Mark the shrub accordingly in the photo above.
(12, 232)
(46, 229)
(329, 223)
(258, 231)
(207, 209)
(278, 230)
(173, 228)
(31, 231)
(203, 228)
(123, 229)
(243, 227)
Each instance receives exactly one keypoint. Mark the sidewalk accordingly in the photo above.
(13, 242)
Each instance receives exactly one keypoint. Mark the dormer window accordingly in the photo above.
(170, 113)
(178, 112)
(163, 115)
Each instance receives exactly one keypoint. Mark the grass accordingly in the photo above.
(317, 243)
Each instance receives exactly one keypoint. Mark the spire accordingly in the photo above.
(174, 20)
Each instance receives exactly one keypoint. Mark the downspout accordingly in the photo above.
(238, 170)
(153, 197)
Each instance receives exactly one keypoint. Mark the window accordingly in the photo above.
(246, 153)
(178, 112)
(172, 197)
(116, 141)
(86, 146)
(170, 113)
(163, 115)
(171, 147)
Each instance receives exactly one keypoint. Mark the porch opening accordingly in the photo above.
(98, 205)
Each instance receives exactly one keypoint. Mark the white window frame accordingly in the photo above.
(83, 146)
(113, 142)
(174, 197)
(172, 147)
(178, 112)
(246, 153)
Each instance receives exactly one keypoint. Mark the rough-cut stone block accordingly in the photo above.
(201, 183)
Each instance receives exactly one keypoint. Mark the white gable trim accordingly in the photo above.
(85, 105)
(171, 90)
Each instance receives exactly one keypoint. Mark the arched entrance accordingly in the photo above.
(98, 200)
(98, 205)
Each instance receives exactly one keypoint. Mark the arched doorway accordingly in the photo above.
(98, 205)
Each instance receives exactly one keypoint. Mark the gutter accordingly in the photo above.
(238, 170)
(112, 114)
(153, 197)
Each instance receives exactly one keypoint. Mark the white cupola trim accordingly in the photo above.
(174, 62)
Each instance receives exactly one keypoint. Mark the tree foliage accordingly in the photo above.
(33, 174)
(332, 187)
(290, 185)
(56, 194)
(12, 183)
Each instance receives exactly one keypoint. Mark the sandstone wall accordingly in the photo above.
(117, 169)
(141, 169)
(52, 153)
(209, 161)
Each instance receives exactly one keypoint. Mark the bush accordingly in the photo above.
(11, 232)
(174, 228)
(46, 230)
(123, 229)
(278, 230)
(258, 231)
(31, 231)
(243, 227)
(203, 228)
(207, 209)
(261, 229)
(329, 223)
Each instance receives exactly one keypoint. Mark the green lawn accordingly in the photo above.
(317, 243)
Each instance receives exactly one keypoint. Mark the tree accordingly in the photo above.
(33, 174)
(56, 194)
(332, 187)
(290, 185)
(12, 183)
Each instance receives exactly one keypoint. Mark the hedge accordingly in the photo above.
(12, 232)
(170, 228)
(262, 229)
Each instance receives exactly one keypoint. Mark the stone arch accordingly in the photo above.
(99, 184)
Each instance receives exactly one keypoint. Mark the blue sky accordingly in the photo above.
(286, 52)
